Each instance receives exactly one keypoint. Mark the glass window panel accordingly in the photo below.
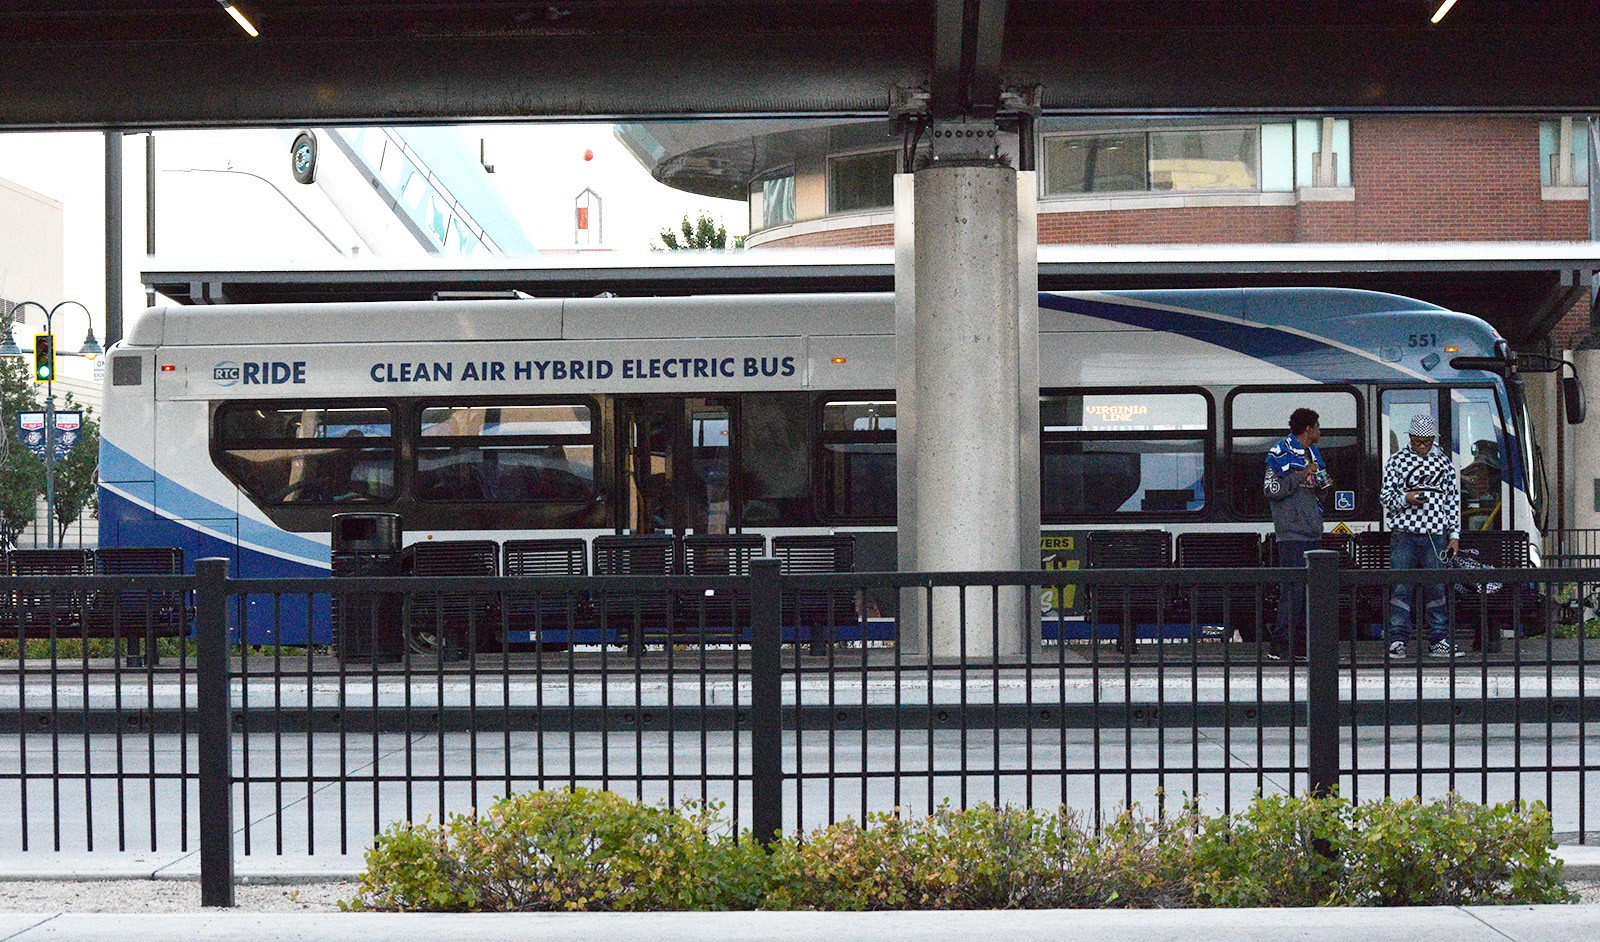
(1127, 476)
(523, 473)
(1341, 151)
(1399, 406)
(1580, 154)
(862, 181)
(291, 455)
(1271, 410)
(1277, 158)
(1130, 411)
(556, 419)
(1247, 459)
(777, 200)
(1479, 453)
(1203, 160)
(860, 480)
(396, 168)
(858, 417)
(1307, 139)
(1549, 147)
(1095, 163)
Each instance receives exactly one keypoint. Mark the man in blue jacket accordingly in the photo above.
(1295, 473)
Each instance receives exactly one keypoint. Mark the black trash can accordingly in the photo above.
(367, 626)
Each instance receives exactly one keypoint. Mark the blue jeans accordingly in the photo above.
(1292, 596)
(1416, 551)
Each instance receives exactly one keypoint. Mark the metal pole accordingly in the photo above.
(216, 736)
(1322, 671)
(113, 236)
(49, 454)
(766, 700)
(149, 213)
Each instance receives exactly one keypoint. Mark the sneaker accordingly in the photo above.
(1276, 650)
(1444, 647)
(1397, 649)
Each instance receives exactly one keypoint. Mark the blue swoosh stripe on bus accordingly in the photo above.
(1288, 349)
(124, 467)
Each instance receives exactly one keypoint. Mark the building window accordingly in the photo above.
(777, 201)
(1095, 163)
(284, 453)
(1131, 451)
(523, 453)
(1259, 420)
(1203, 160)
(1268, 158)
(862, 181)
(1322, 152)
(1563, 153)
(859, 472)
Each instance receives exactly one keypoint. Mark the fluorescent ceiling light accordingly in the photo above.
(244, 24)
(1443, 9)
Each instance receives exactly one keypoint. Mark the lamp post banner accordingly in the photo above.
(30, 429)
(69, 425)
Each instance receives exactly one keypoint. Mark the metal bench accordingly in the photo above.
(139, 615)
(538, 612)
(711, 613)
(632, 614)
(438, 621)
(43, 612)
(1238, 605)
(1132, 605)
(816, 616)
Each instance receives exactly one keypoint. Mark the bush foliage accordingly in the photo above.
(584, 850)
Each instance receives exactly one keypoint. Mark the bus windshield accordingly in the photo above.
(1532, 457)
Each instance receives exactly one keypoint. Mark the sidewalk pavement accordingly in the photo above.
(1437, 924)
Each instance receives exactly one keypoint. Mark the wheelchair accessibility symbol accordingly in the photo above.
(1344, 500)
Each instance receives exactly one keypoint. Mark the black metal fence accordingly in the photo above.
(121, 726)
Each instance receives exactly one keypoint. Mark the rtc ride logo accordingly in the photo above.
(264, 373)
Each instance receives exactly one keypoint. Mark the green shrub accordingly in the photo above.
(1280, 851)
(568, 850)
(1451, 853)
(587, 850)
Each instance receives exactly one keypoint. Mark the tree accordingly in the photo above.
(77, 475)
(21, 474)
(703, 233)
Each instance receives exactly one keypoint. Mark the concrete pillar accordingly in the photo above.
(968, 404)
(1584, 511)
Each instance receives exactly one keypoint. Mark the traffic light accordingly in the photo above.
(44, 358)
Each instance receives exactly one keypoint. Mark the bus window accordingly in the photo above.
(1259, 420)
(280, 453)
(1479, 453)
(535, 453)
(858, 460)
(1123, 452)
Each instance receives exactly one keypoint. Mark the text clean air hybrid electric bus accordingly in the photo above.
(238, 430)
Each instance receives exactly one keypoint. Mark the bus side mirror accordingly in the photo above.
(1572, 398)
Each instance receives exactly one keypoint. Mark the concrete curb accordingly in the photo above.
(1438, 924)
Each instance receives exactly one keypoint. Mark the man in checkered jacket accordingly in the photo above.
(1421, 500)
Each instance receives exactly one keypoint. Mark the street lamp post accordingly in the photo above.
(91, 349)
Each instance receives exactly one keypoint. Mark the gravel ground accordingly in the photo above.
(181, 896)
(164, 896)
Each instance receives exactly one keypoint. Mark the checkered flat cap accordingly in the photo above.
(1423, 426)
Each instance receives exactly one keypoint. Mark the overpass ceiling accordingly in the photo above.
(184, 63)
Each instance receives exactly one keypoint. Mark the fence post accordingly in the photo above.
(766, 699)
(1322, 671)
(216, 734)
